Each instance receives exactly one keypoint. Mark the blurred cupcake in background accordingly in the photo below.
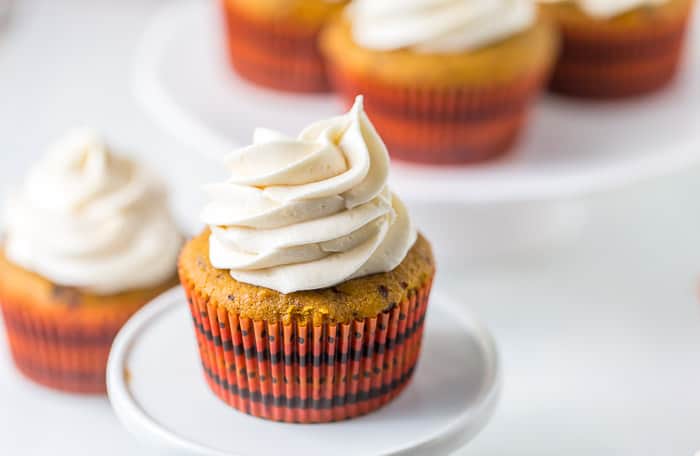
(89, 240)
(618, 48)
(446, 81)
(274, 43)
(310, 285)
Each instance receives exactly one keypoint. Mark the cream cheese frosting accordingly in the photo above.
(308, 212)
(438, 26)
(91, 219)
(606, 9)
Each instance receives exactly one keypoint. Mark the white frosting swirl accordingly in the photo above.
(308, 213)
(438, 26)
(606, 9)
(89, 219)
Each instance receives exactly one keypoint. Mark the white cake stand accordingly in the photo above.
(572, 148)
(158, 391)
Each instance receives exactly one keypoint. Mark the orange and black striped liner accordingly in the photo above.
(61, 348)
(444, 126)
(602, 65)
(273, 54)
(300, 373)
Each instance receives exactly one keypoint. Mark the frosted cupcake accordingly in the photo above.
(274, 43)
(446, 81)
(309, 288)
(618, 48)
(88, 241)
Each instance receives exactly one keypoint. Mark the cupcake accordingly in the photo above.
(88, 241)
(274, 43)
(309, 288)
(618, 48)
(446, 81)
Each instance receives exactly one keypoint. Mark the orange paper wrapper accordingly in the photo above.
(274, 54)
(444, 126)
(598, 64)
(300, 373)
(62, 348)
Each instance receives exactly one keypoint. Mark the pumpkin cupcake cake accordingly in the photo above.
(274, 43)
(88, 241)
(309, 288)
(446, 81)
(618, 48)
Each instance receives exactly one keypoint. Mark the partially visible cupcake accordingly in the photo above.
(274, 43)
(309, 288)
(618, 48)
(88, 241)
(446, 81)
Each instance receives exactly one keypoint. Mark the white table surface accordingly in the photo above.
(600, 336)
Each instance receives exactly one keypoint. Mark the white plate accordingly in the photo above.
(165, 400)
(572, 148)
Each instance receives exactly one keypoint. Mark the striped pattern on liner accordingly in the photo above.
(273, 54)
(595, 64)
(63, 349)
(299, 373)
(448, 125)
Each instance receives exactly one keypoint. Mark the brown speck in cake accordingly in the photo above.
(67, 295)
(384, 291)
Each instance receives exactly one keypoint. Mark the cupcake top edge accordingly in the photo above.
(88, 218)
(608, 9)
(308, 15)
(438, 26)
(309, 212)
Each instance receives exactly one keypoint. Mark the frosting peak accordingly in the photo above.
(438, 26)
(311, 212)
(93, 220)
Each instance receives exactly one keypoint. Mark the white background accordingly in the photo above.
(600, 335)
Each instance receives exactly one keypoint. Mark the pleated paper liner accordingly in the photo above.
(445, 126)
(63, 349)
(598, 64)
(300, 373)
(273, 54)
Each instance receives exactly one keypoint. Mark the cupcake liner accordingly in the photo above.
(62, 348)
(596, 63)
(444, 125)
(274, 54)
(300, 373)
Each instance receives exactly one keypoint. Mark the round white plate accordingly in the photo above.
(571, 148)
(157, 389)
